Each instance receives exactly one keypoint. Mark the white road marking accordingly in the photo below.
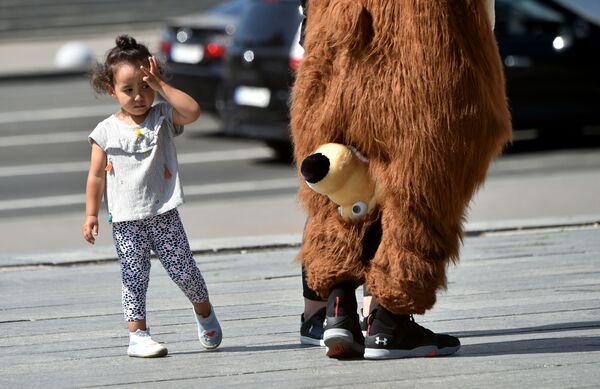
(41, 202)
(241, 186)
(184, 159)
(37, 115)
(192, 190)
(42, 139)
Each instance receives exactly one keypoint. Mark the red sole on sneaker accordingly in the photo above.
(342, 351)
(343, 348)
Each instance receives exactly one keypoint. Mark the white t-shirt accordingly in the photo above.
(142, 177)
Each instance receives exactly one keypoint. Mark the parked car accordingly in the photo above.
(551, 54)
(193, 48)
(257, 72)
(552, 57)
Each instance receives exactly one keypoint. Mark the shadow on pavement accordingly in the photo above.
(572, 344)
(557, 327)
(242, 349)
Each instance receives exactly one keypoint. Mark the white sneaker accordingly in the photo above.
(209, 330)
(141, 345)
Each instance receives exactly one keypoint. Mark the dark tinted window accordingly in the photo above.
(268, 23)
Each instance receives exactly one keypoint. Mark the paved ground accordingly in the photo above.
(526, 305)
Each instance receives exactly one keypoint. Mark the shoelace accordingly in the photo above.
(425, 330)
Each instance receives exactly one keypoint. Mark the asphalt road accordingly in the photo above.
(233, 187)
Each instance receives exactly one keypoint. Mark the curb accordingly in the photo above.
(106, 254)
(520, 225)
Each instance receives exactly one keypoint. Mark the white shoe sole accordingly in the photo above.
(155, 354)
(311, 341)
(419, 352)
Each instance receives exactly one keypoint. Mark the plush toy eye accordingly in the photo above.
(359, 208)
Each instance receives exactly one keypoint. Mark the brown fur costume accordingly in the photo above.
(416, 86)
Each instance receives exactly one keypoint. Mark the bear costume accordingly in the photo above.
(417, 88)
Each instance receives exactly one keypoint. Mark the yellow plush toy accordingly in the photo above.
(342, 174)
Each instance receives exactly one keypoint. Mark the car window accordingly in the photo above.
(526, 17)
(232, 7)
(268, 23)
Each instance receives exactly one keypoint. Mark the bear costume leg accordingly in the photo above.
(333, 252)
(417, 87)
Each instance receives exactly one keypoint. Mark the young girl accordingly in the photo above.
(134, 157)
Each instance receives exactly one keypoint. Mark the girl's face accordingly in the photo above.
(133, 94)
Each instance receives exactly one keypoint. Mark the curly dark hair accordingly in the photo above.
(127, 50)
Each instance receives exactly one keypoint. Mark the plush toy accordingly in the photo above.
(417, 87)
(342, 174)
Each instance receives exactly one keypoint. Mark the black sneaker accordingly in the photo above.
(311, 331)
(398, 336)
(342, 335)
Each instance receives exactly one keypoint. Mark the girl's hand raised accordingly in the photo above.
(152, 76)
(185, 109)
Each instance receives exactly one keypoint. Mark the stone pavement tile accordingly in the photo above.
(524, 304)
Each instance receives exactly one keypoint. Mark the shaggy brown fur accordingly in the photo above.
(417, 86)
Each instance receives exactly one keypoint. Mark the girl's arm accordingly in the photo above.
(93, 192)
(185, 109)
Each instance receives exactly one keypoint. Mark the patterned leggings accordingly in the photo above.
(163, 234)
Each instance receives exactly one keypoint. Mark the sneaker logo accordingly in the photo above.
(310, 329)
(210, 334)
(383, 341)
(325, 322)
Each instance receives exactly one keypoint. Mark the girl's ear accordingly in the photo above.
(111, 91)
